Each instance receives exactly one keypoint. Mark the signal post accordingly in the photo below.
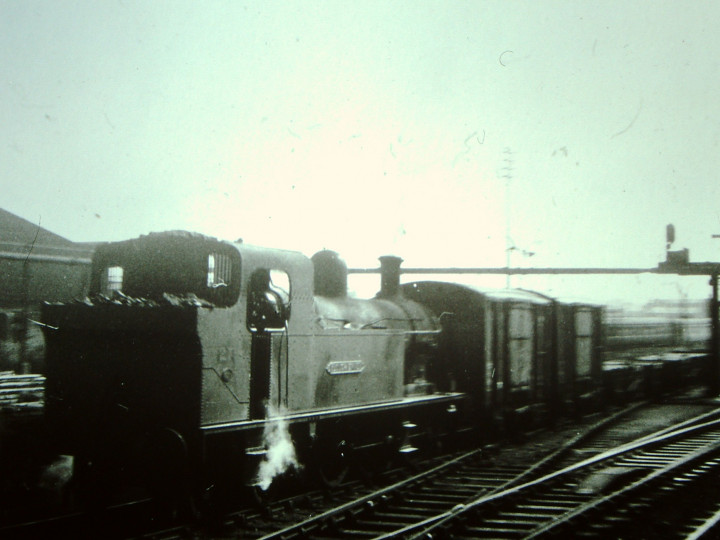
(678, 262)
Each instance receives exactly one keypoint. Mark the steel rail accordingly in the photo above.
(312, 523)
(443, 520)
(553, 457)
(560, 521)
(355, 508)
(706, 527)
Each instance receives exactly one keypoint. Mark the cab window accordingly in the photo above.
(268, 300)
(112, 279)
(219, 270)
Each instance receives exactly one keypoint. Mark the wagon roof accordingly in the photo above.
(496, 295)
(514, 295)
(525, 295)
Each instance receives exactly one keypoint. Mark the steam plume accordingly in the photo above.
(280, 454)
(57, 474)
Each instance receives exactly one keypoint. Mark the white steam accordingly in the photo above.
(280, 455)
(56, 475)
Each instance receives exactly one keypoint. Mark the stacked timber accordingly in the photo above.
(21, 393)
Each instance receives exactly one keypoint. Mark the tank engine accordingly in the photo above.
(189, 348)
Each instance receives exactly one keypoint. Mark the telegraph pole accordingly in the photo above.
(507, 175)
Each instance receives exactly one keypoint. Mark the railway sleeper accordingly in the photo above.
(488, 532)
(420, 512)
(430, 503)
(357, 533)
(520, 524)
(567, 504)
(451, 496)
(463, 487)
(636, 463)
(658, 459)
(379, 525)
(540, 516)
(399, 517)
(617, 519)
(481, 483)
(569, 496)
(557, 509)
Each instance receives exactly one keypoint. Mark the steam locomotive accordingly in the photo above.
(191, 354)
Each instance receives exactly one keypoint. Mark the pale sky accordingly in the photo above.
(372, 127)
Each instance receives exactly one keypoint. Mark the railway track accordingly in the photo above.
(408, 504)
(640, 490)
(434, 496)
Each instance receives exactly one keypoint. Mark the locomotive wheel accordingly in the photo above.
(374, 462)
(333, 464)
(434, 443)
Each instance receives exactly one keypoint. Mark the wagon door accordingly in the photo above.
(520, 352)
(499, 370)
(583, 342)
(542, 372)
(587, 348)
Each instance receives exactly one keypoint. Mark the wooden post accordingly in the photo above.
(714, 378)
(24, 363)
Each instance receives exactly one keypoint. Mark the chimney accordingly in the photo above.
(389, 276)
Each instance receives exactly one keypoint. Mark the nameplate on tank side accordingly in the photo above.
(345, 367)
